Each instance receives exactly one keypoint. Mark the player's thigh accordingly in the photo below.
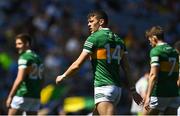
(13, 111)
(105, 108)
(106, 97)
(109, 93)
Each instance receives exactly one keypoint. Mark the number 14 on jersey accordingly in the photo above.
(113, 55)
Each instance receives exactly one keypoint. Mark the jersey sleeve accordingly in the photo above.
(89, 44)
(154, 58)
(23, 62)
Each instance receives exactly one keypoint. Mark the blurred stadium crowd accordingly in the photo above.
(59, 28)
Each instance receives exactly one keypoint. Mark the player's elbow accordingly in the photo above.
(75, 66)
(153, 77)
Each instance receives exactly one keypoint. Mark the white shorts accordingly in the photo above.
(107, 93)
(25, 104)
(178, 111)
(161, 103)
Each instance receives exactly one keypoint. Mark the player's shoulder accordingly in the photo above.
(120, 40)
(29, 54)
(170, 49)
(155, 51)
(26, 53)
(24, 56)
(98, 33)
(94, 35)
(92, 39)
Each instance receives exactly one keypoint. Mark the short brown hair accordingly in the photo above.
(25, 38)
(99, 14)
(155, 31)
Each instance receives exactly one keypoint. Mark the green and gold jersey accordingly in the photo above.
(166, 58)
(106, 50)
(179, 72)
(31, 85)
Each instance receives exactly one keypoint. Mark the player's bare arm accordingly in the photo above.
(74, 67)
(178, 82)
(19, 79)
(152, 79)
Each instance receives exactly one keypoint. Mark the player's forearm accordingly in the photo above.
(77, 64)
(151, 83)
(19, 79)
(14, 88)
(72, 70)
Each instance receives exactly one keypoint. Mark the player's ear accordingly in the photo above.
(155, 39)
(101, 21)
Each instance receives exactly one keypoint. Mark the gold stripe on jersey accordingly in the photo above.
(166, 66)
(101, 53)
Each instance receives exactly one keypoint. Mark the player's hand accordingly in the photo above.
(137, 98)
(59, 79)
(146, 104)
(8, 102)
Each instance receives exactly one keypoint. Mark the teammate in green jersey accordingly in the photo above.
(177, 47)
(107, 52)
(162, 94)
(25, 92)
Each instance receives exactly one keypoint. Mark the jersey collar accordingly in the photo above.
(28, 50)
(104, 29)
(162, 43)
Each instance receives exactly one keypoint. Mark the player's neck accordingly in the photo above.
(103, 28)
(159, 42)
